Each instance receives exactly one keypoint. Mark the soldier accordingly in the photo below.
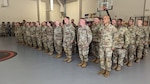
(17, 26)
(107, 45)
(32, 33)
(44, 36)
(132, 46)
(24, 33)
(50, 38)
(84, 40)
(114, 22)
(68, 38)
(38, 36)
(95, 39)
(142, 40)
(3, 29)
(147, 30)
(29, 43)
(121, 45)
(20, 33)
(58, 36)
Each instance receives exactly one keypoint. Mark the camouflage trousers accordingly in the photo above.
(25, 39)
(145, 50)
(131, 52)
(105, 58)
(50, 46)
(118, 56)
(20, 38)
(58, 46)
(34, 41)
(44, 41)
(39, 42)
(140, 49)
(83, 53)
(68, 49)
(95, 49)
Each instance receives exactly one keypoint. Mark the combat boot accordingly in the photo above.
(39, 48)
(101, 72)
(69, 60)
(114, 67)
(107, 73)
(80, 64)
(118, 68)
(97, 61)
(93, 60)
(126, 62)
(46, 51)
(50, 53)
(129, 64)
(84, 65)
(58, 56)
(66, 59)
(137, 60)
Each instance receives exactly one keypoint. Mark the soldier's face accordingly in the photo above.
(57, 23)
(139, 22)
(106, 19)
(114, 22)
(119, 22)
(145, 24)
(96, 20)
(66, 20)
(82, 22)
(130, 22)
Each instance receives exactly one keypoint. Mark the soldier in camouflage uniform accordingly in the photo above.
(84, 40)
(142, 40)
(24, 33)
(38, 36)
(50, 38)
(58, 36)
(147, 30)
(20, 32)
(107, 45)
(132, 46)
(123, 40)
(44, 36)
(95, 39)
(68, 38)
(32, 33)
(29, 43)
(17, 26)
(114, 22)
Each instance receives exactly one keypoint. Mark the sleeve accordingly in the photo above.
(72, 33)
(127, 39)
(89, 35)
(115, 36)
(146, 35)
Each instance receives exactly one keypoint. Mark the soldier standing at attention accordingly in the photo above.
(68, 38)
(38, 36)
(107, 45)
(44, 36)
(95, 39)
(121, 45)
(50, 38)
(58, 36)
(132, 46)
(84, 37)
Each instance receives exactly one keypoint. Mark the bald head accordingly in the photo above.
(106, 19)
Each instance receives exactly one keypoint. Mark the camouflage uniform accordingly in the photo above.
(24, 33)
(38, 37)
(84, 40)
(20, 32)
(95, 40)
(50, 39)
(44, 38)
(32, 33)
(132, 46)
(68, 37)
(123, 40)
(28, 36)
(17, 33)
(58, 36)
(142, 41)
(107, 42)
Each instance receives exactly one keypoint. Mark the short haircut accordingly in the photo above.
(67, 17)
(132, 20)
(120, 19)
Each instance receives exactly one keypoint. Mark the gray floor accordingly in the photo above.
(36, 67)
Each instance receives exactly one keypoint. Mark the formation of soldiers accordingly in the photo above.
(112, 45)
(7, 29)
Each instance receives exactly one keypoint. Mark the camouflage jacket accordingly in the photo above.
(58, 34)
(50, 34)
(133, 35)
(28, 30)
(43, 31)
(84, 36)
(38, 32)
(32, 31)
(108, 36)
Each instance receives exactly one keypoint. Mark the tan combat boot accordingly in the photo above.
(118, 68)
(97, 61)
(129, 64)
(66, 59)
(58, 56)
(84, 65)
(114, 67)
(137, 60)
(46, 51)
(101, 72)
(93, 60)
(80, 64)
(69, 60)
(40, 49)
(126, 62)
(107, 73)
(50, 53)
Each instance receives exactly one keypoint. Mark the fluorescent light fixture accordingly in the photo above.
(51, 5)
